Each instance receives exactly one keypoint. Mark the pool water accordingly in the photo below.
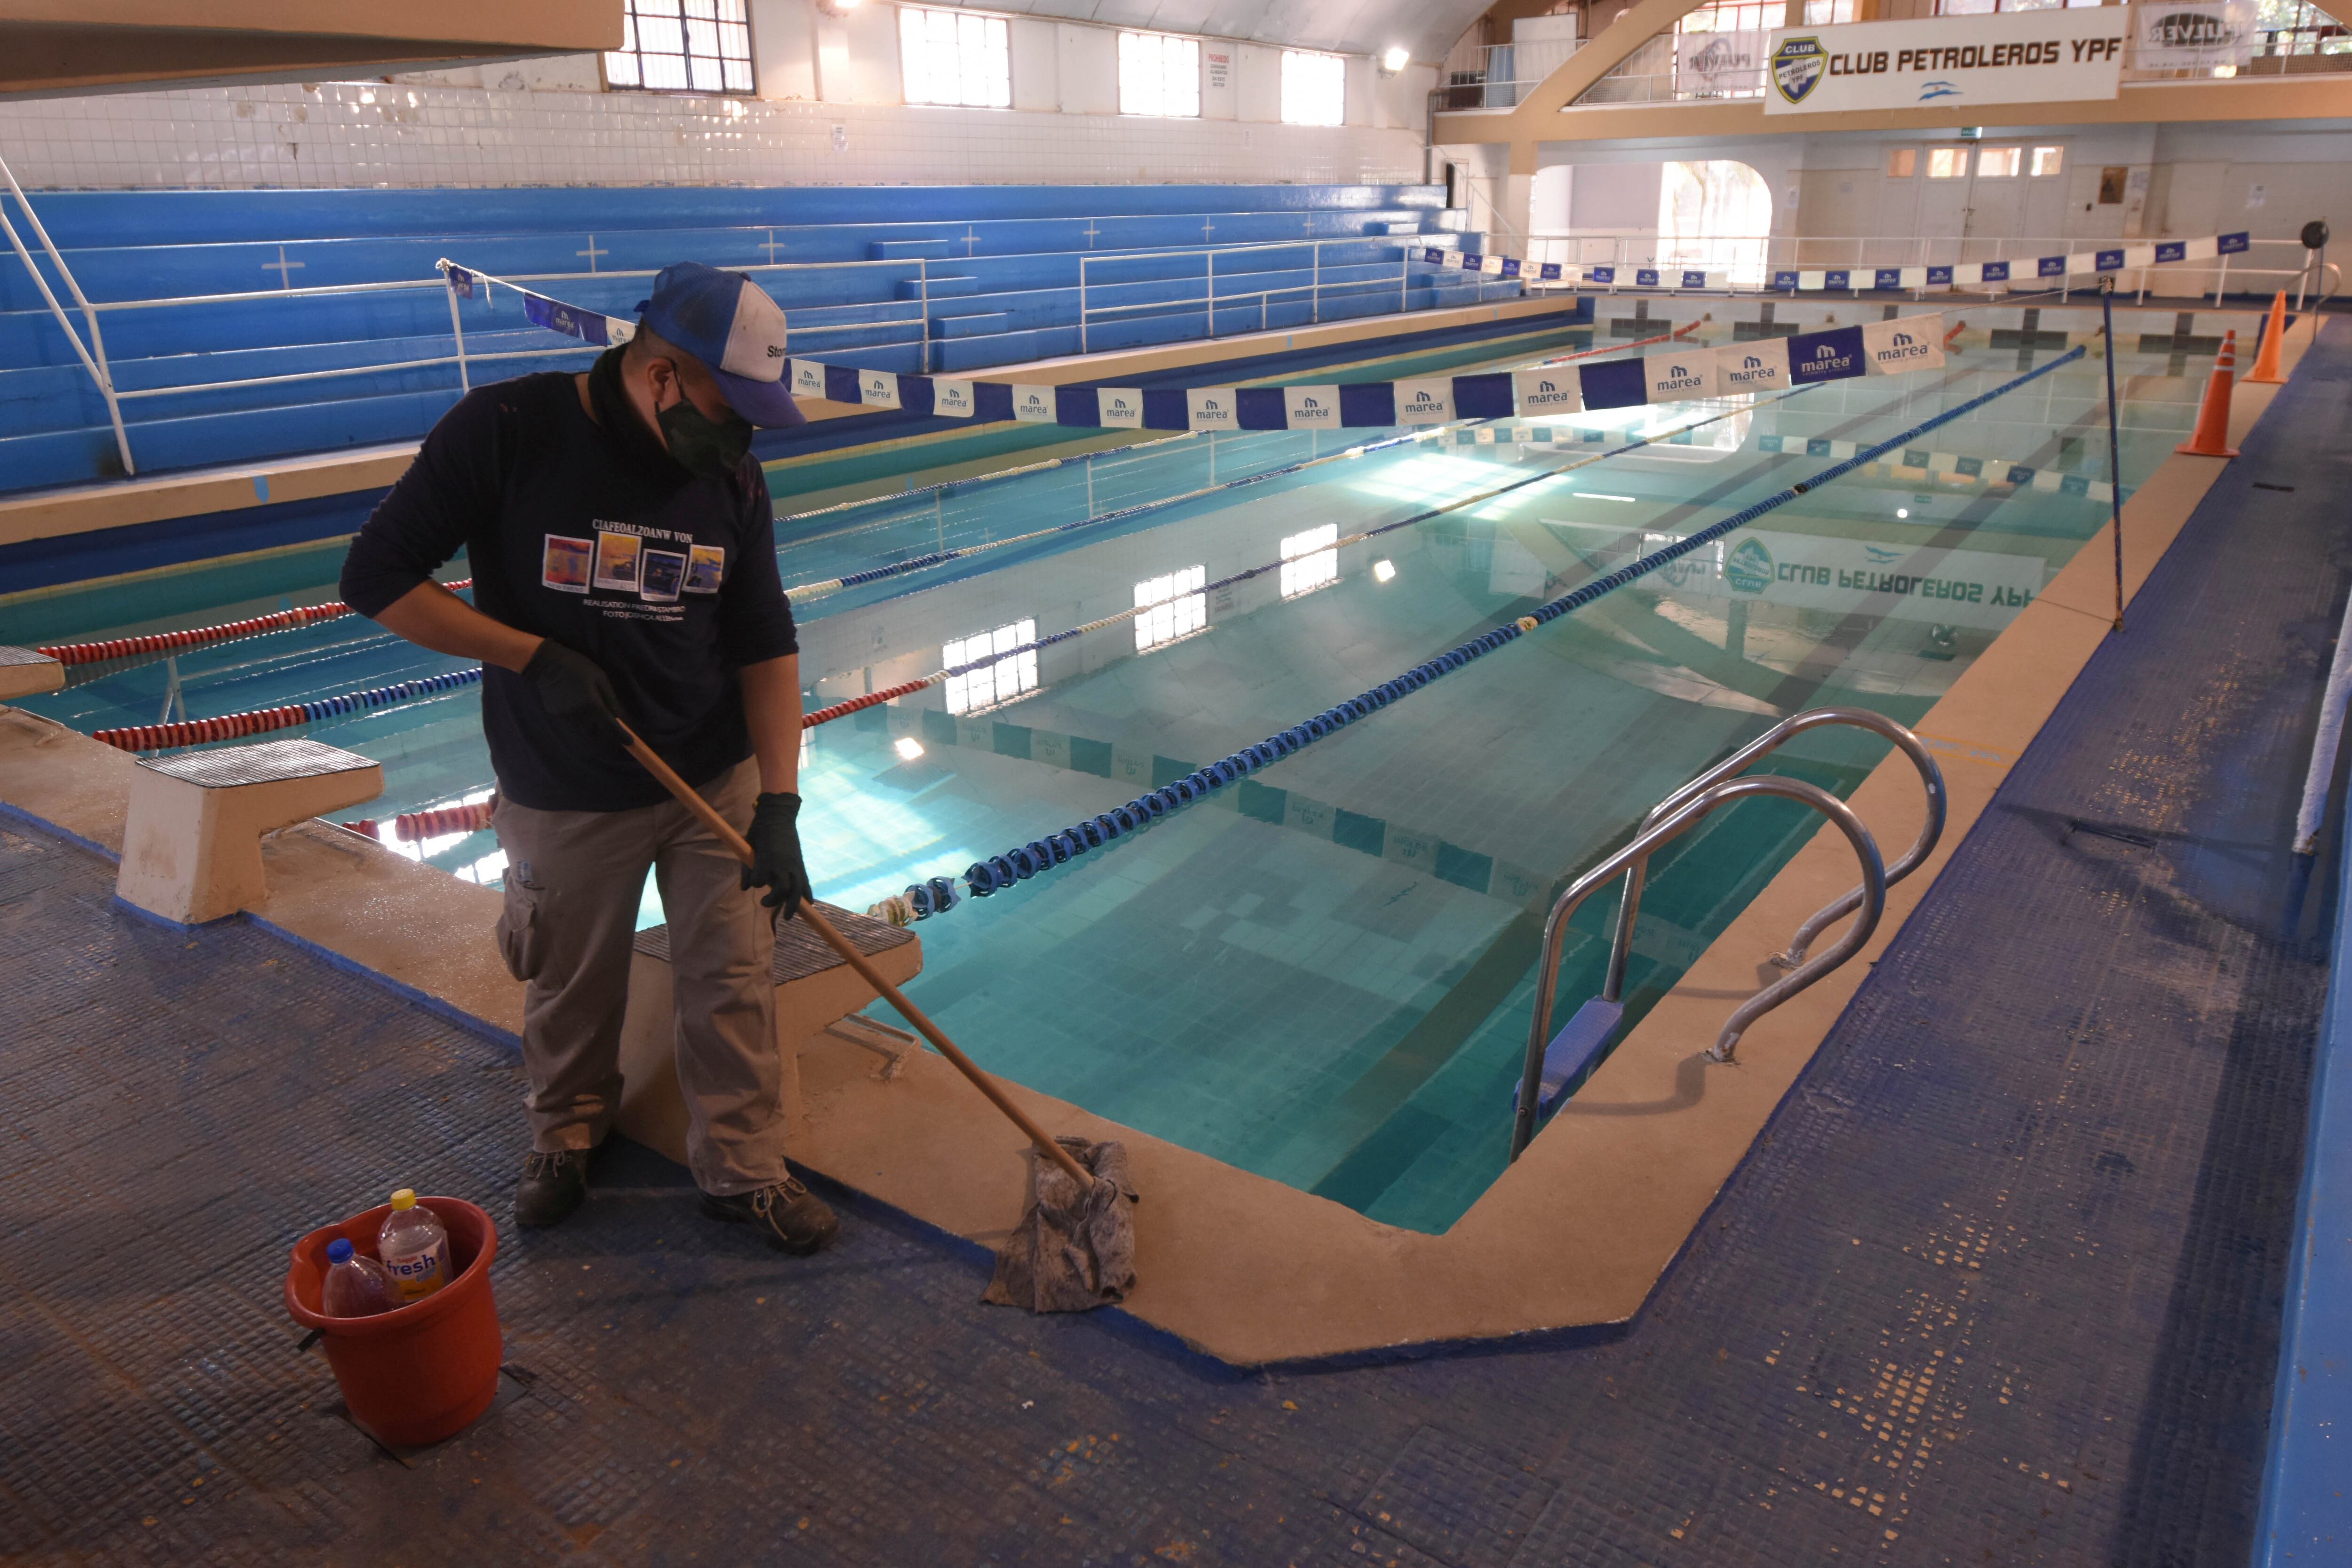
(1324, 974)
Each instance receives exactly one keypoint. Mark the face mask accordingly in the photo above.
(704, 446)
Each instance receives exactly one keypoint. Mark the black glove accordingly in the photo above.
(775, 839)
(571, 688)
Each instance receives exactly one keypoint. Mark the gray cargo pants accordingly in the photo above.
(573, 883)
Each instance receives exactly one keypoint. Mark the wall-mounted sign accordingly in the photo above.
(2008, 57)
(1220, 64)
(2192, 36)
(1712, 64)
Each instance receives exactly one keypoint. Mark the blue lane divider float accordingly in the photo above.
(938, 895)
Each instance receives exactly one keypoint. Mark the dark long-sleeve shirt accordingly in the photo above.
(600, 542)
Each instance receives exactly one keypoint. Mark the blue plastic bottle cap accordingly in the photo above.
(339, 1250)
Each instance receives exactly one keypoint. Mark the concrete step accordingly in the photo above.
(979, 326)
(939, 288)
(905, 249)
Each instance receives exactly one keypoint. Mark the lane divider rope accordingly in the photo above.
(236, 726)
(819, 589)
(261, 720)
(206, 636)
(907, 689)
(939, 894)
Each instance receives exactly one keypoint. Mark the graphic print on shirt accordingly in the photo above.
(707, 569)
(664, 569)
(565, 563)
(616, 561)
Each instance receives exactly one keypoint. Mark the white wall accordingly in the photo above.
(2181, 181)
(829, 111)
(429, 134)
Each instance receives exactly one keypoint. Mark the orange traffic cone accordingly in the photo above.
(2212, 437)
(2266, 358)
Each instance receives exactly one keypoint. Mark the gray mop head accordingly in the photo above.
(1072, 1250)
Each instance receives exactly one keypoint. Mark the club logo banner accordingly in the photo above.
(2007, 57)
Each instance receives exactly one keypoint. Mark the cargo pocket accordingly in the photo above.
(521, 941)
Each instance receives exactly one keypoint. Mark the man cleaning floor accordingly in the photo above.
(623, 563)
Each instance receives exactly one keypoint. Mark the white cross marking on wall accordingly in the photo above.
(1207, 229)
(771, 247)
(591, 253)
(970, 238)
(283, 267)
(1090, 231)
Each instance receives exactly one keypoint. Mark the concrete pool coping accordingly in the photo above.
(1239, 1267)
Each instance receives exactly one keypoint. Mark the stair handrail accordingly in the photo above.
(1931, 831)
(1654, 834)
(100, 371)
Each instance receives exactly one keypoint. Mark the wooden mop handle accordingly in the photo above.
(691, 798)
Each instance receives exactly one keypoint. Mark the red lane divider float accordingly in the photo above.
(204, 636)
(415, 827)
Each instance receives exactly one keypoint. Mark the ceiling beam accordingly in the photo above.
(57, 47)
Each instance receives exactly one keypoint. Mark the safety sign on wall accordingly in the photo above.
(2007, 57)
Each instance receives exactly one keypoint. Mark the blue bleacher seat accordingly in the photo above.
(1012, 264)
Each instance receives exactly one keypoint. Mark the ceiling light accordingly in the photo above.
(1396, 57)
(907, 747)
(1385, 571)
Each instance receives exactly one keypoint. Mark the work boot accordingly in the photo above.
(552, 1186)
(792, 1216)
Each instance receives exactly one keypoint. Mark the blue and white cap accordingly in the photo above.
(726, 322)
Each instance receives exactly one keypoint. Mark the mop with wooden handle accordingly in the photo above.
(1073, 1249)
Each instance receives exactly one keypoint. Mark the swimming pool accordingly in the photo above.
(1323, 975)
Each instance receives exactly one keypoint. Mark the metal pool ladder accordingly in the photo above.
(1550, 1069)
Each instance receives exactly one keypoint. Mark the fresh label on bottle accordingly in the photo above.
(416, 1275)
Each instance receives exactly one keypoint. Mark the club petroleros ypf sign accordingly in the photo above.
(2008, 57)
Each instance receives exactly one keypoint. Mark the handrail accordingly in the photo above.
(1655, 836)
(100, 371)
(1773, 740)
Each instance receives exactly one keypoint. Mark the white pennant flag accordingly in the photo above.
(1761, 366)
(1907, 342)
(1553, 391)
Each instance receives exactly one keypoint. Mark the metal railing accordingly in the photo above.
(1237, 294)
(1674, 814)
(1749, 260)
(1653, 838)
(1507, 74)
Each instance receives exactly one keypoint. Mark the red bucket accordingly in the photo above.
(420, 1373)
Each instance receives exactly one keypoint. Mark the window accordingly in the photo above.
(1948, 163)
(1828, 13)
(682, 45)
(1998, 162)
(1715, 215)
(1310, 561)
(1158, 75)
(2048, 161)
(954, 56)
(1902, 162)
(1173, 607)
(1736, 16)
(1001, 678)
(1313, 89)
